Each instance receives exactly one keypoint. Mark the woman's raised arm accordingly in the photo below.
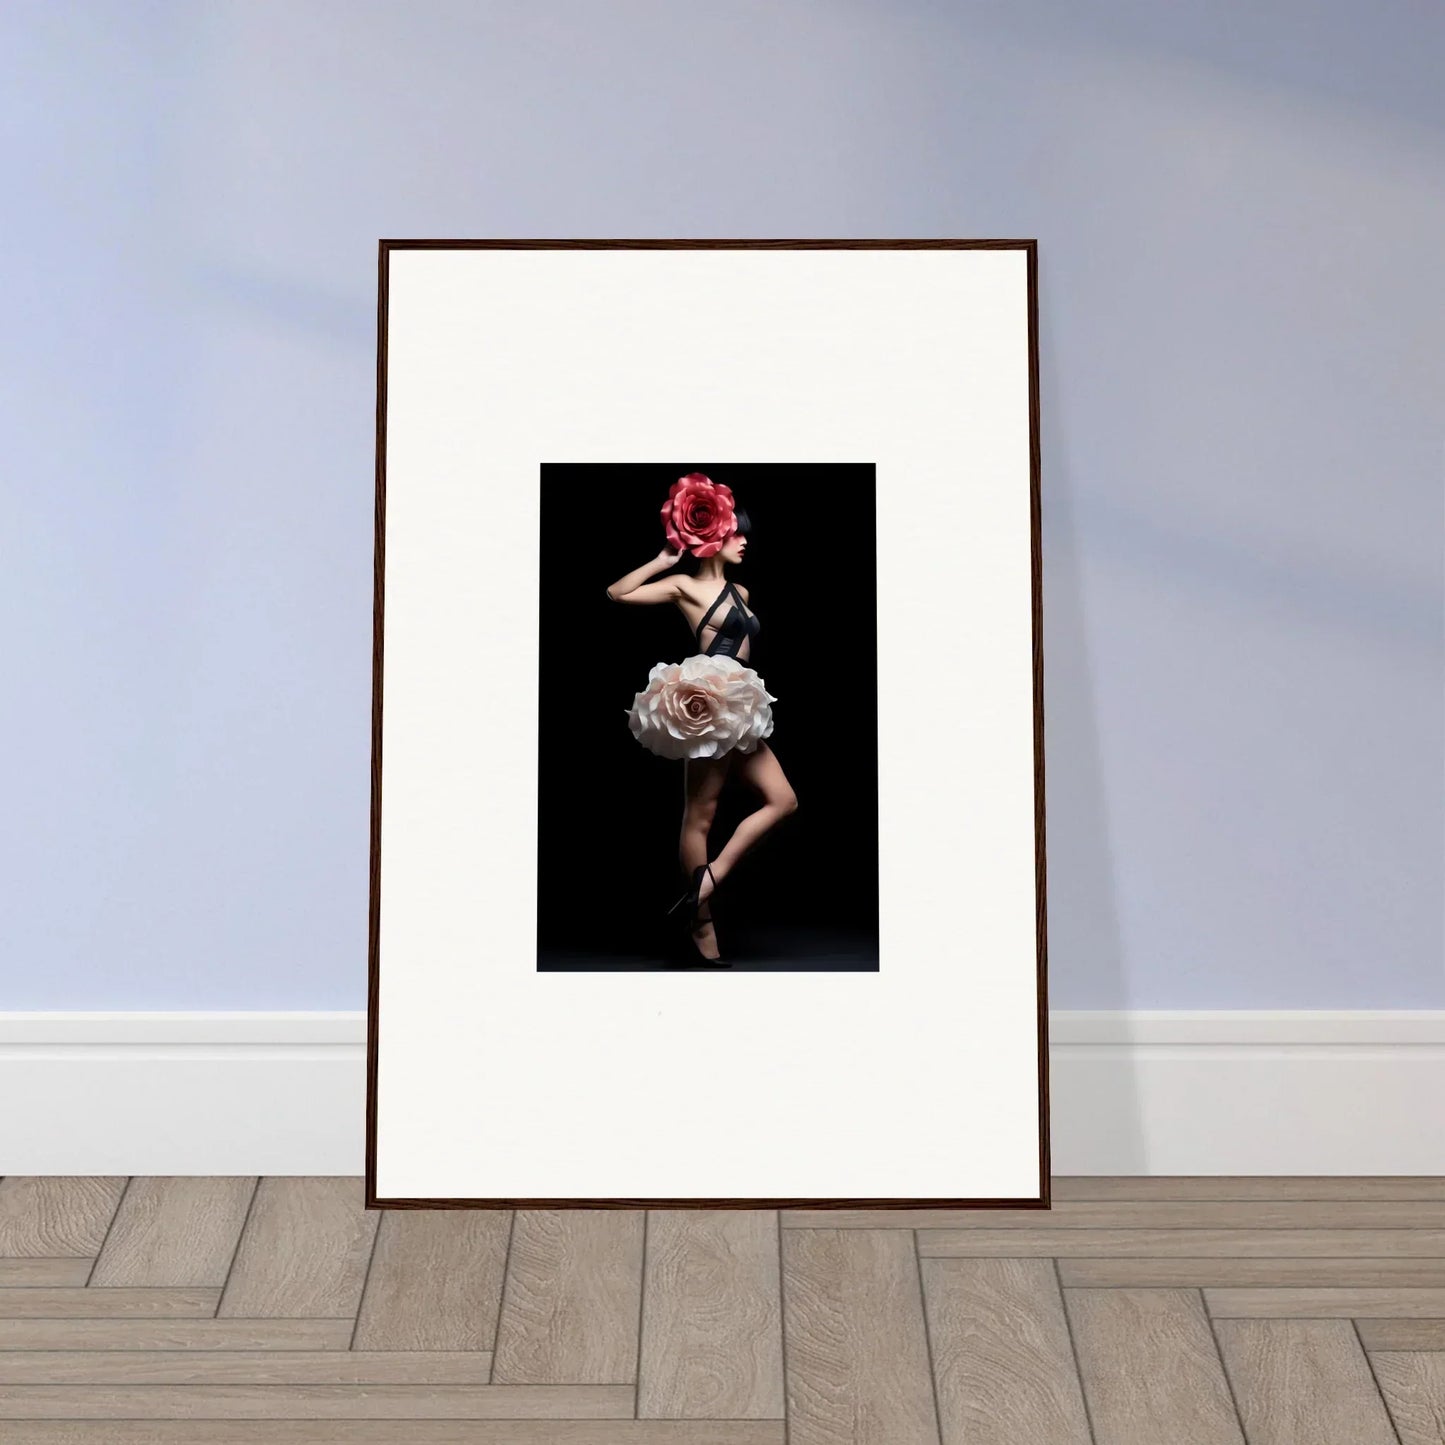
(635, 587)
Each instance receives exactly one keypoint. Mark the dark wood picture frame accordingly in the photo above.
(1030, 248)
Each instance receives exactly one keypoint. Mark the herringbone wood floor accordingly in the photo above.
(217, 1311)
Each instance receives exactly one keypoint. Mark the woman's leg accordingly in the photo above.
(763, 772)
(701, 783)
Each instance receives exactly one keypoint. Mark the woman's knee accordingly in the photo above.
(786, 803)
(697, 817)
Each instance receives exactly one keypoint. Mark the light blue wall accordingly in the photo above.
(1241, 215)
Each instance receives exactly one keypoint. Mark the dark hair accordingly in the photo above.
(745, 524)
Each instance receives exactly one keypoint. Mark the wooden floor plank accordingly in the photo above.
(316, 1402)
(436, 1281)
(29, 1273)
(1314, 1282)
(1392, 1303)
(173, 1334)
(175, 1231)
(571, 1296)
(1002, 1359)
(56, 1214)
(712, 1332)
(855, 1340)
(243, 1367)
(1303, 1382)
(1068, 1188)
(304, 1251)
(417, 1432)
(1147, 1214)
(1150, 1368)
(1414, 1389)
(1184, 1243)
(1220, 1272)
(1401, 1334)
(41, 1304)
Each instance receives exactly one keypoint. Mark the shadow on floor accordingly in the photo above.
(761, 950)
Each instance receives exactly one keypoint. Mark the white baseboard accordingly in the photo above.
(182, 1093)
(1238, 1092)
(1133, 1093)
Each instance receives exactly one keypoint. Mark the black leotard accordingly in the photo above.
(733, 635)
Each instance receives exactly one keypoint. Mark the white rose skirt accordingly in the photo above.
(701, 707)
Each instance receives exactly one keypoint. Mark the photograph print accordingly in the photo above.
(726, 814)
(707, 791)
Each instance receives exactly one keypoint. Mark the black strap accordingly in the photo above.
(726, 586)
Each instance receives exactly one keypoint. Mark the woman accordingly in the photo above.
(712, 709)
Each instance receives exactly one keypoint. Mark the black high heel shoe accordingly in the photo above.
(685, 952)
(690, 897)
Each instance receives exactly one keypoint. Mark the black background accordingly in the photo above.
(609, 811)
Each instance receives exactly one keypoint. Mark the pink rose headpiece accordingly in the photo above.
(699, 515)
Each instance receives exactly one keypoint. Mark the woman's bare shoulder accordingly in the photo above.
(687, 586)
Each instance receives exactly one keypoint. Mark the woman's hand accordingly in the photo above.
(668, 557)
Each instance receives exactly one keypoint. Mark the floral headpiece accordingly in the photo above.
(699, 515)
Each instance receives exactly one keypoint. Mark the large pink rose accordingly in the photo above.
(698, 515)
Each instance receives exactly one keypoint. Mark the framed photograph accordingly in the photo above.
(707, 849)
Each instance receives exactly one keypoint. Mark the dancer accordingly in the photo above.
(712, 709)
